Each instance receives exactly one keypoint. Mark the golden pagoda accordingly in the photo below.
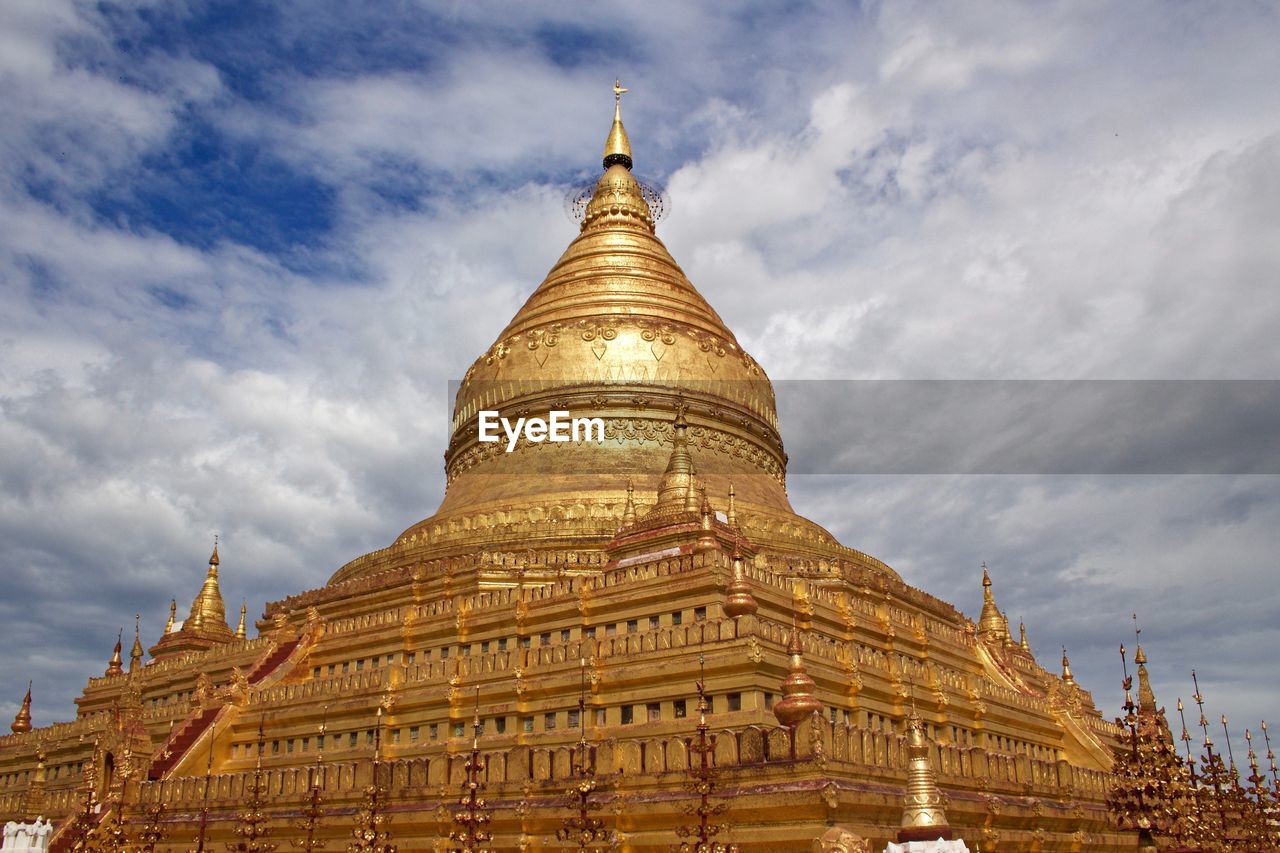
(638, 557)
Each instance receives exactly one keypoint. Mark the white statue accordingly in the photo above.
(27, 837)
(44, 831)
(939, 846)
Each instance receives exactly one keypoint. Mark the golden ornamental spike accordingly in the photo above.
(203, 826)
(799, 700)
(473, 815)
(700, 834)
(617, 148)
(313, 810)
(582, 829)
(1149, 788)
(739, 601)
(252, 822)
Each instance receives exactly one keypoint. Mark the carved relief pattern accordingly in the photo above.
(641, 430)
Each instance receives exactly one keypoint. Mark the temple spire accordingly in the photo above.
(798, 701)
(173, 613)
(923, 816)
(22, 721)
(207, 610)
(629, 510)
(738, 598)
(241, 633)
(677, 492)
(1146, 696)
(1022, 637)
(617, 148)
(116, 665)
(1067, 677)
(732, 515)
(135, 654)
(991, 624)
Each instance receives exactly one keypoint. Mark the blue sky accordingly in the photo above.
(244, 247)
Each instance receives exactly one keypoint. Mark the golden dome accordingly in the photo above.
(615, 331)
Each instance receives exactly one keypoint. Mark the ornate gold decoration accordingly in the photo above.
(701, 836)
(313, 810)
(203, 826)
(152, 831)
(252, 822)
(582, 828)
(738, 600)
(241, 633)
(470, 821)
(923, 815)
(1149, 789)
(79, 837)
(370, 833)
(798, 701)
(839, 840)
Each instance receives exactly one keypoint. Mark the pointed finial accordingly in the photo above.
(1226, 735)
(1022, 637)
(629, 509)
(1271, 757)
(173, 613)
(207, 611)
(1067, 678)
(617, 148)
(923, 815)
(135, 654)
(1186, 739)
(732, 515)
(992, 626)
(22, 721)
(240, 629)
(116, 665)
(677, 491)
(799, 700)
(738, 599)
